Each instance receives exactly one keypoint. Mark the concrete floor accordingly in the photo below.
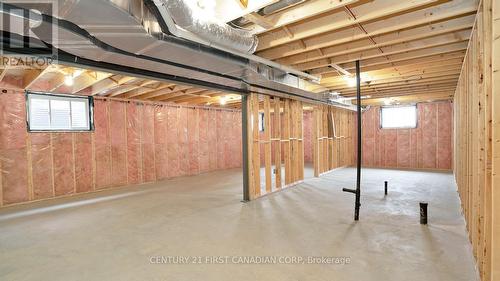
(122, 234)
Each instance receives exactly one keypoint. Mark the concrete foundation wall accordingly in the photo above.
(133, 143)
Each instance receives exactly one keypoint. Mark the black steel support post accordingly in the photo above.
(357, 191)
(244, 135)
(385, 187)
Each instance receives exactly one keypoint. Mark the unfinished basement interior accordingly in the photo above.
(250, 140)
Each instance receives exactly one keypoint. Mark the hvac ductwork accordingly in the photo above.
(168, 18)
(131, 37)
(189, 16)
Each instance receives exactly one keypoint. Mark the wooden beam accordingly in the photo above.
(411, 98)
(128, 91)
(267, 143)
(30, 76)
(248, 115)
(87, 79)
(292, 54)
(177, 92)
(316, 139)
(402, 84)
(188, 94)
(368, 12)
(408, 61)
(300, 12)
(379, 77)
(259, 20)
(450, 86)
(286, 145)
(277, 143)
(420, 63)
(107, 85)
(141, 89)
(256, 144)
(495, 202)
(426, 43)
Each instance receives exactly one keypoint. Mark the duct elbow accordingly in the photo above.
(189, 17)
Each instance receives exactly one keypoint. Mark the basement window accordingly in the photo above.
(261, 121)
(48, 112)
(396, 117)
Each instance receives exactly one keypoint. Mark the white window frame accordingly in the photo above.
(89, 102)
(262, 124)
(401, 127)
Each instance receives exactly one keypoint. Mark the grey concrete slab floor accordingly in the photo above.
(196, 228)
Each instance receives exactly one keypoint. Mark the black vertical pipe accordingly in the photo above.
(358, 172)
(244, 135)
(423, 213)
(385, 187)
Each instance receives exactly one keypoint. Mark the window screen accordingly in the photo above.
(399, 117)
(59, 113)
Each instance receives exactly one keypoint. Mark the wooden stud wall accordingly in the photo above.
(333, 138)
(477, 140)
(133, 143)
(493, 206)
(282, 142)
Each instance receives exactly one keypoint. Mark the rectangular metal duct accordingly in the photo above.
(128, 33)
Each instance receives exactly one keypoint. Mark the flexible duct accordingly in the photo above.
(192, 18)
(177, 31)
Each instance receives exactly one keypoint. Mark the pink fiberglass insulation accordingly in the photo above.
(429, 136)
(369, 146)
(193, 141)
(102, 144)
(83, 167)
(148, 152)
(41, 165)
(226, 123)
(414, 148)
(391, 148)
(204, 145)
(308, 148)
(368, 151)
(161, 153)
(219, 144)
(183, 141)
(445, 127)
(172, 142)
(118, 138)
(13, 150)
(132, 143)
(64, 181)
(239, 138)
(134, 156)
(427, 146)
(236, 140)
(212, 139)
(403, 146)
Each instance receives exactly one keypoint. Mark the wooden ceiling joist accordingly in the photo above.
(291, 54)
(412, 98)
(297, 13)
(338, 19)
(380, 77)
(430, 42)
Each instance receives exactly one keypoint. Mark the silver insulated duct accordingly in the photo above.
(189, 16)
